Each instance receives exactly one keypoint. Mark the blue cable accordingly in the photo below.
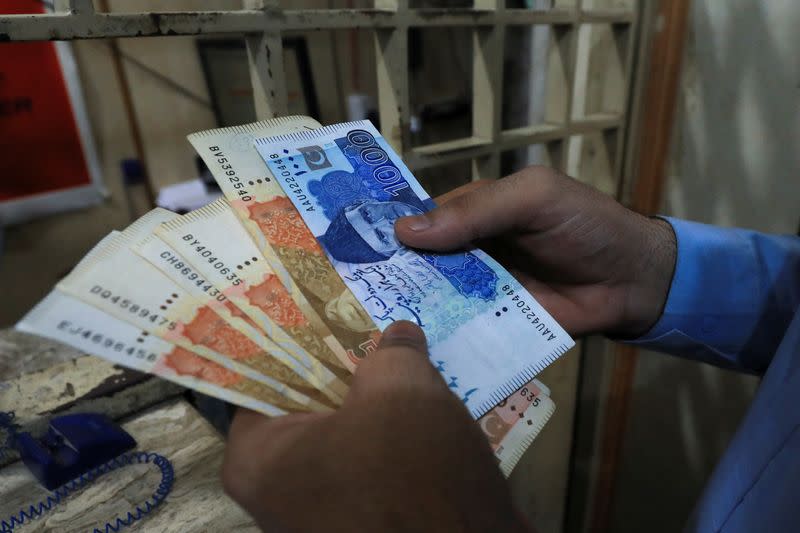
(61, 493)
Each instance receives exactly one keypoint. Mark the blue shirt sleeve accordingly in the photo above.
(733, 294)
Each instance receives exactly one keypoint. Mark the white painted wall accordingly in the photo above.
(735, 156)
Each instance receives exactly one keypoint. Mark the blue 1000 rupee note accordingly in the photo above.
(486, 334)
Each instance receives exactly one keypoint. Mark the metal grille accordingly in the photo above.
(262, 23)
(570, 106)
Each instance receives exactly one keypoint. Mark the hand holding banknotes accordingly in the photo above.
(271, 297)
(401, 454)
(593, 264)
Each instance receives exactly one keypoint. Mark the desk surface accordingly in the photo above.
(196, 503)
(40, 379)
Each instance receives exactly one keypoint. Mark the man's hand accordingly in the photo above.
(402, 454)
(593, 264)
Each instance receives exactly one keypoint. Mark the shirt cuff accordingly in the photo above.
(710, 312)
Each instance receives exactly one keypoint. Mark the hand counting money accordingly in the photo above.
(269, 298)
(350, 187)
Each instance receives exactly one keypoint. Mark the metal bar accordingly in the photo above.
(133, 119)
(624, 39)
(391, 56)
(76, 7)
(572, 63)
(527, 135)
(565, 45)
(454, 145)
(475, 147)
(65, 26)
(646, 28)
(607, 16)
(265, 59)
(487, 89)
(417, 162)
(484, 14)
(595, 122)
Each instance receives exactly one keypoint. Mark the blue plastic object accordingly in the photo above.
(78, 449)
(73, 445)
(132, 172)
(33, 511)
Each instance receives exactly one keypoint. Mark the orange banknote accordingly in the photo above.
(282, 236)
(151, 301)
(213, 241)
(515, 422)
(66, 319)
(166, 259)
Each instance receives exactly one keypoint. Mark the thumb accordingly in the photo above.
(483, 212)
(400, 362)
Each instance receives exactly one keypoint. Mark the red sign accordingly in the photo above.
(40, 139)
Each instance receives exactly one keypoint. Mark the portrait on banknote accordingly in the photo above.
(350, 188)
(363, 232)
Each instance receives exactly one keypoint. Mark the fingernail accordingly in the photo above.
(404, 332)
(418, 223)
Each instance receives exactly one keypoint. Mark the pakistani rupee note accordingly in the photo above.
(282, 236)
(174, 266)
(487, 335)
(214, 242)
(510, 426)
(66, 319)
(147, 299)
(214, 324)
(513, 424)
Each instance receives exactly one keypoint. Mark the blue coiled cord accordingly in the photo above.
(61, 493)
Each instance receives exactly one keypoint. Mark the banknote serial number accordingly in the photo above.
(188, 273)
(213, 260)
(529, 395)
(132, 307)
(101, 339)
(294, 187)
(528, 313)
(225, 164)
(297, 190)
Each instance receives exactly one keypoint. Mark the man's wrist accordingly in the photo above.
(651, 276)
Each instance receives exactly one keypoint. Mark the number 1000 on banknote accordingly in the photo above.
(487, 335)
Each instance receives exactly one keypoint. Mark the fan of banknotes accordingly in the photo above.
(270, 297)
